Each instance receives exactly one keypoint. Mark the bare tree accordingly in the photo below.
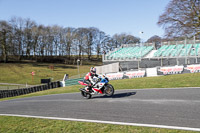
(101, 37)
(17, 24)
(68, 37)
(80, 41)
(90, 38)
(156, 40)
(43, 39)
(28, 42)
(181, 18)
(48, 40)
(123, 38)
(55, 31)
(5, 32)
(101, 42)
(35, 35)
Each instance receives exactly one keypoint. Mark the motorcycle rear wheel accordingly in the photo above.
(109, 90)
(86, 95)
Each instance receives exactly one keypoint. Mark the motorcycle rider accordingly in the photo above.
(89, 78)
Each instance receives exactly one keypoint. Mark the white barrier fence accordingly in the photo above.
(113, 76)
(154, 72)
(193, 68)
(180, 69)
(171, 70)
(125, 75)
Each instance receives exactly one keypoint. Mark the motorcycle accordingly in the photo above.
(100, 86)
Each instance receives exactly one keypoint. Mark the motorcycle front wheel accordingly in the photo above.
(109, 90)
(86, 95)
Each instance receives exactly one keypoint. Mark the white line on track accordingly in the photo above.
(106, 122)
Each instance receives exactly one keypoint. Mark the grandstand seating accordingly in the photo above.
(169, 51)
(179, 50)
(130, 52)
(195, 51)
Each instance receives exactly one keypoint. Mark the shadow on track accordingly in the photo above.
(119, 95)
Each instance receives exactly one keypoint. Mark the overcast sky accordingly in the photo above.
(110, 16)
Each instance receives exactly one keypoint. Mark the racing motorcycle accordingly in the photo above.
(100, 86)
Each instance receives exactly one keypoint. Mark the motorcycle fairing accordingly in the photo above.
(104, 81)
(97, 90)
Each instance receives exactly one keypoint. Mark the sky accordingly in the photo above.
(110, 16)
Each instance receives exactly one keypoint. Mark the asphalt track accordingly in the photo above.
(179, 107)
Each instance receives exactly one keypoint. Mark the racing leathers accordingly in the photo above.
(89, 80)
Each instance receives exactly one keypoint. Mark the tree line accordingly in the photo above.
(25, 38)
(21, 38)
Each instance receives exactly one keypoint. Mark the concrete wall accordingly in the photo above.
(113, 67)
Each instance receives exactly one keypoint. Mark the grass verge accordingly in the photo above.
(10, 124)
(18, 124)
(20, 73)
(170, 81)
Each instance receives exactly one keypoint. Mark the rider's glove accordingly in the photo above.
(92, 82)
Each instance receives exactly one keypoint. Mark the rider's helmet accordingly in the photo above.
(93, 70)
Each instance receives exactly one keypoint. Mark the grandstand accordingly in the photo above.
(135, 56)
(130, 52)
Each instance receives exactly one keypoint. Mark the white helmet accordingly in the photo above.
(93, 70)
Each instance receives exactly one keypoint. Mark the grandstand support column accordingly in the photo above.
(177, 61)
(139, 64)
(162, 59)
(186, 60)
(197, 55)
(127, 67)
(196, 59)
(140, 60)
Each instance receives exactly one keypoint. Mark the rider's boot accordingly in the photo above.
(90, 89)
(87, 88)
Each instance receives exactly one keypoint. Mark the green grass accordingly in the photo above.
(11, 87)
(170, 81)
(19, 124)
(10, 124)
(20, 73)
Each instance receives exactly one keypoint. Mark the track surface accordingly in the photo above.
(171, 107)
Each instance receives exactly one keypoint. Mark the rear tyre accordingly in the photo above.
(109, 90)
(86, 95)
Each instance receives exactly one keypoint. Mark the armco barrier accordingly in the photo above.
(17, 92)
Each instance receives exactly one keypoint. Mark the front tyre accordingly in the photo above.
(109, 90)
(86, 95)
